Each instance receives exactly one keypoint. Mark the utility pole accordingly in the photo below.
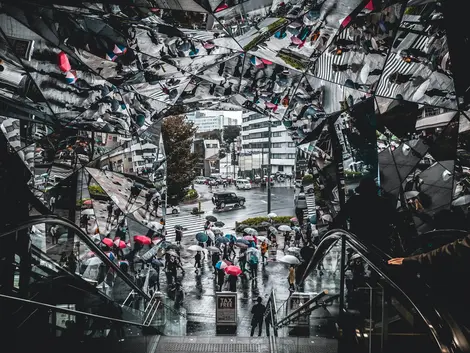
(269, 165)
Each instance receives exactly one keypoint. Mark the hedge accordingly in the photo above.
(254, 221)
(191, 195)
(307, 179)
(96, 190)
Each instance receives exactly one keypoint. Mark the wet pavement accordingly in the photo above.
(200, 289)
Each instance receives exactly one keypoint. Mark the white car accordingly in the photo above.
(243, 184)
(172, 210)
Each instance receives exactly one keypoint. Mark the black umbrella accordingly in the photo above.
(211, 218)
(307, 252)
(219, 223)
(178, 227)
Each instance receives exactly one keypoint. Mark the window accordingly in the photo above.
(138, 152)
(278, 156)
(119, 161)
(276, 134)
(214, 145)
(291, 156)
(280, 168)
(114, 138)
(129, 159)
(291, 144)
(277, 145)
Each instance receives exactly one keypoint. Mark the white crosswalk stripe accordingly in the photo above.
(191, 224)
(396, 64)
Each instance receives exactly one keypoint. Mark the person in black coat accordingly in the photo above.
(258, 311)
(448, 270)
(220, 278)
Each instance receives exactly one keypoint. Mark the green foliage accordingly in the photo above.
(271, 29)
(191, 195)
(96, 190)
(231, 132)
(255, 221)
(348, 174)
(296, 64)
(307, 179)
(210, 135)
(178, 136)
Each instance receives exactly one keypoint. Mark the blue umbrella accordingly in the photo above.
(231, 237)
(201, 237)
(313, 219)
(221, 265)
(222, 240)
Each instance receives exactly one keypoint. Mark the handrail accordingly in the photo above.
(302, 307)
(375, 259)
(33, 220)
(69, 311)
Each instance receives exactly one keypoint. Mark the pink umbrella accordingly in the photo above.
(221, 7)
(108, 242)
(209, 45)
(119, 243)
(267, 62)
(270, 105)
(233, 270)
(249, 238)
(296, 40)
(293, 219)
(88, 202)
(142, 239)
(63, 62)
(370, 5)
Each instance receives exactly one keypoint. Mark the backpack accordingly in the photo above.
(253, 259)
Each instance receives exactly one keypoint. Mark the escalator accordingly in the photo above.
(367, 306)
(97, 288)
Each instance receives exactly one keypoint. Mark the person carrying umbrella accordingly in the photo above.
(242, 260)
(117, 214)
(178, 235)
(220, 278)
(197, 261)
(291, 278)
(258, 311)
(253, 266)
(232, 282)
(287, 239)
(215, 258)
(264, 251)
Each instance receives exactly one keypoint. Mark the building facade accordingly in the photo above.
(210, 120)
(253, 157)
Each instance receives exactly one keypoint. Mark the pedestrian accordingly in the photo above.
(287, 238)
(308, 235)
(258, 311)
(110, 208)
(84, 222)
(291, 278)
(55, 234)
(215, 258)
(298, 236)
(151, 232)
(63, 259)
(231, 250)
(178, 236)
(220, 279)
(72, 263)
(232, 282)
(155, 203)
(52, 204)
(117, 214)
(253, 266)
(264, 252)
(148, 199)
(197, 261)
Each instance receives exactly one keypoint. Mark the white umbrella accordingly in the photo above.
(284, 228)
(93, 261)
(272, 229)
(461, 201)
(411, 194)
(272, 215)
(195, 248)
(155, 225)
(263, 239)
(250, 231)
(293, 249)
(364, 73)
(290, 259)
(210, 234)
(213, 249)
(421, 91)
(253, 250)
(96, 237)
(88, 211)
(327, 217)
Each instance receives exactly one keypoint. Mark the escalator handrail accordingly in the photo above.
(69, 311)
(34, 220)
(371, 255)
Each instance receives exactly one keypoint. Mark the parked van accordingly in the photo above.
(243, 184)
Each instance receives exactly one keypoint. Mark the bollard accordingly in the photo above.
(199, 205)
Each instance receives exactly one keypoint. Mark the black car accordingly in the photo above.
(222, 199)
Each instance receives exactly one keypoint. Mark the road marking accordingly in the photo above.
(263, 201)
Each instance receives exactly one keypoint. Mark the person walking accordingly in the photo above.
(232, 282)
(242, 260)
(257, 311)
(117, 214)
(110, 209)
(52, 204)
(55, 234)
(220, 279)
(264, 252)
(178, 236)
(215, 258)
(291, 278)
(197, 261)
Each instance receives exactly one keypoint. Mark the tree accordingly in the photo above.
(231, 132)
(178, 135)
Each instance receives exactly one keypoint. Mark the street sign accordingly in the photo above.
(226, 309)
(296, 300)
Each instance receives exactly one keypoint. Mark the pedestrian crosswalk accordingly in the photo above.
(310, 198)
(191, 224)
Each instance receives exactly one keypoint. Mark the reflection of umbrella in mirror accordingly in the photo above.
(296, 40)
(290, 259)
(63, 62)
(107, 242)
(255, 61)
(327, 218)
(411, 194)
(93, 261)
(71, 77)
(462, 201)
(421, 91)
(364, 73)
(208, 45)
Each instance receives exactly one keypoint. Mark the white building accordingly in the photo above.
(210, 120)
(254, 152)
